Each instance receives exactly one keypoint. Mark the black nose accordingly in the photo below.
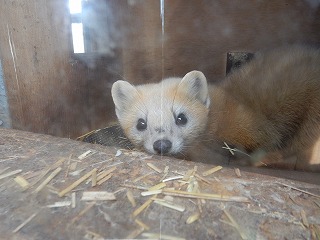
(162, 146)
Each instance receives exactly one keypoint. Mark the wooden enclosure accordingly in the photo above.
(52, 90)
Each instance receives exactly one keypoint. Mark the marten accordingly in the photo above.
(268, 111)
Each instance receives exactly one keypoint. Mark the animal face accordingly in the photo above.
(163, 118)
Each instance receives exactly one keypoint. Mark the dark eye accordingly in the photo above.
(181, 119)
(141, 124)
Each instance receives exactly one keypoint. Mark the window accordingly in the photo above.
(75, 7)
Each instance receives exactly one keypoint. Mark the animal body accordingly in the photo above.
(268, 109)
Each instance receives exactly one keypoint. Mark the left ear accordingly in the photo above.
(123, 94)
(194, 84)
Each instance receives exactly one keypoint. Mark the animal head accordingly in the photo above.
(163, 118)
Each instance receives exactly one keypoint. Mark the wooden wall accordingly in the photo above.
(52, 91)
(40, 87)
(49, 89)
(198, 34)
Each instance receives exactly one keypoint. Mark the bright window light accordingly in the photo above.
(75, 6)
(77, 37)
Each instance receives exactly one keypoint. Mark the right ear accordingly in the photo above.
(123, 94)
(194, 84)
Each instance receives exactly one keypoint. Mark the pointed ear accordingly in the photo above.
(123, 93)
(194, 84)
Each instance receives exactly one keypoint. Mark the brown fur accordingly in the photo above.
(272, 104)
(270, 109)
